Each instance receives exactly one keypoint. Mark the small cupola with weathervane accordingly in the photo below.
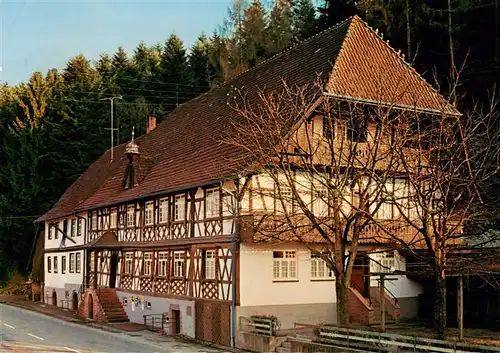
(132, 153)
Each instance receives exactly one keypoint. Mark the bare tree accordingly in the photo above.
(450, 162)
(321, 167)
(334, 175)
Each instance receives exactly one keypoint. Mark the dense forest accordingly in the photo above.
(53, 126)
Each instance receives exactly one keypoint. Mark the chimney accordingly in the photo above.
(151, 125)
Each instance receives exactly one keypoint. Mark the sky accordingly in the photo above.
(37, 35)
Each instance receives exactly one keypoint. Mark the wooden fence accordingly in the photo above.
(369, 341)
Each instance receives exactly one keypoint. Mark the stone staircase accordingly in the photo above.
(391, 307)
(111, 306)
(284, 347)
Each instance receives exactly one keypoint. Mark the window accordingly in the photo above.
(130, 216)
(63, 264)
(51, 229)
(357, 129)
(80, 227)
(147, 262)
(65, 227)
(179, 207)
(148, 213)
(162, 264)
(56, 230)
(209, 259)
(113, 219)
(49, 264)
(178, 264)
(78, 262)
(284, 265)
(71, 262)
(73, 227)
(328, 128)
(320, 201)
(319, 268)
(383, 262)
(128, 262)
(284, 198)
(163, 216)
(94, 220)
(212, 203)
(55, 264)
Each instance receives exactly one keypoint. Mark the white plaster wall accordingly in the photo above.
(136, 311)
(400, 286)
(256, 279)
(56, 243)
(58, 280)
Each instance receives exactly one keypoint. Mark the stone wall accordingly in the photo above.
(90, 296)
(360, 310)
(136, 306)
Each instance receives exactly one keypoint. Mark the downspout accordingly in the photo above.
(233, 273)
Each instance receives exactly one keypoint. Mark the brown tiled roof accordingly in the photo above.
(186, 149)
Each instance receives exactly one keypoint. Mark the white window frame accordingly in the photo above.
(163, 211)
(55, 264)
(320, 269)
(78, 262)
(212, 203)
(49, 264)
(80, 225)
(285, 204)
(210, 268)
(73, 227)
(285, 265)
(113, 218)
(319, 197)
(94, 220)
(129, 256)
(178, 263)
(72, 262)
(63, 264)
(163, 264)
(130, 215)
(180, 207)
(147, 265)
(148, 213)
(382, 262)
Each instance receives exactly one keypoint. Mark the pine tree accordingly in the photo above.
(174, 75)
(253, 34)
(199, 65)
(279, 31)
(303, 20)
(335, 11)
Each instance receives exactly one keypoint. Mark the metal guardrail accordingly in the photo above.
(261, 326)
(385, 342)
(157, 322)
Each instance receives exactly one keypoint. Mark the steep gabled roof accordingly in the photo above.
(186, 150)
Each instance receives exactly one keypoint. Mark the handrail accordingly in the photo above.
(388, 291)
(151, 321)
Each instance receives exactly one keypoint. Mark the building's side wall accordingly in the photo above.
(301, 299)
(63, 281)
(136, 306)
(74, 227)
(406, 290)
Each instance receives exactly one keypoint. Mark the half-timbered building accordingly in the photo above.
(158, 226)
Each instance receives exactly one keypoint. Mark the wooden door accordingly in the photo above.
(176, 321)
(359, 277)
(112, 270)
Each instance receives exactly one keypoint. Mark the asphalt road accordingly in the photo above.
(26, 331)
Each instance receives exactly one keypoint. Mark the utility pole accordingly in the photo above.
(112, 129)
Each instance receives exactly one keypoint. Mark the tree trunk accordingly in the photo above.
(440, 305)
(342, 309)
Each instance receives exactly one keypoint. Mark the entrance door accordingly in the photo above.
(359, 277)
(54, 298)
(75, 301)
(112, 270)
(91, 307)
(176, 321)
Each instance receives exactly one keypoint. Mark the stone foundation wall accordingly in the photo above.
(84, 308)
